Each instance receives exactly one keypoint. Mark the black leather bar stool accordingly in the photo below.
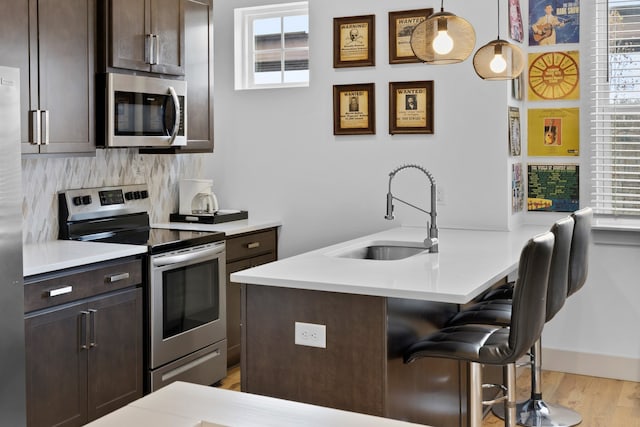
(535, 411)
(570, 254)
(498, 345)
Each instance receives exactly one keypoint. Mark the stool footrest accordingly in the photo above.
(538, 413)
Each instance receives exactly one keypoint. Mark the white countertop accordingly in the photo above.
(228, 228)
(60, 254)
(183, 404)
(468, 262)
(54, 255)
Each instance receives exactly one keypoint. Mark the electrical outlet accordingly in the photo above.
(311, 335)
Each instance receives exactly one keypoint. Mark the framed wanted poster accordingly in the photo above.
(354, 41)
(411, 107)
(401, 25)
(354, 109)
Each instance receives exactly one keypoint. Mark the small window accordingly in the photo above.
(272, 46)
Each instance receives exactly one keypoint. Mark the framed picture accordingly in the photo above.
(516, 87)
(516, 30)
(354, 41)
(514, 131)
(354, 109)
(411, 107)
(401, 25)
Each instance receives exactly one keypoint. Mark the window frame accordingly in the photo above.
(244, 37)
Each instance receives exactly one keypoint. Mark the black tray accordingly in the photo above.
(216, 218)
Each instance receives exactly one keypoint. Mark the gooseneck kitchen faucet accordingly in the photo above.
(431, 242)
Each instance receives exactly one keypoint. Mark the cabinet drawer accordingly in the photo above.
(47, 291)
(250, 245)
(232, 267)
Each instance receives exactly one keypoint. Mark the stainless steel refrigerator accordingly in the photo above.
(12, 359)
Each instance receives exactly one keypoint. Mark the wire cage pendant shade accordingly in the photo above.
(443, 38)
(498, 59)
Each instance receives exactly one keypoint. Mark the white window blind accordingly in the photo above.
(616, 108)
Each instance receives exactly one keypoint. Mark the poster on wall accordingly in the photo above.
(354, 109)
(517, 188)
(516, 30)
(554, 76)
(553, 132)
(401, 25)
(411, 107)
(553, 188)
(554, 21)
(354, 41)
(514, 131)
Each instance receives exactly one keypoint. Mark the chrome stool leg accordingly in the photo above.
(475, 394)
(535, 412)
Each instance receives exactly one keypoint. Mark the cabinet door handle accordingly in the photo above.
(84, 317)
(93, 317)
(60, 291)
(36, 128)
(117, 277)
(253, 245)
(45, 127)
(156, 48)
(148, 49)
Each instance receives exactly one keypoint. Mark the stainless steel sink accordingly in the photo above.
(383, 252)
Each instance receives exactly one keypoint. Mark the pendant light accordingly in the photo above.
(498, 59)
(443, 38)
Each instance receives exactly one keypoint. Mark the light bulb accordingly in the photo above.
(443, 43)
(498, 63)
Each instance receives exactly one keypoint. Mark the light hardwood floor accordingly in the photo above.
(601, 402)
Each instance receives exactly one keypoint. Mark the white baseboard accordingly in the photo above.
(595, 365)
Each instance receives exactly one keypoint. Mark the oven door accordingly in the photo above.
(187, 301)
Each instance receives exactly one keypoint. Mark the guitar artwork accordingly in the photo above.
(546, 30)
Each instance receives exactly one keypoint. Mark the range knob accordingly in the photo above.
(128, 195)
(86, 200)
(136, 195)
(144, 194)
(77, 201)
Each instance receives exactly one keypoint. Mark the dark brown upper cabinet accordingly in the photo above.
(53, 44)
(145, 35)
(198, 61)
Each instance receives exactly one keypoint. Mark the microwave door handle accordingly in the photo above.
(176, 111)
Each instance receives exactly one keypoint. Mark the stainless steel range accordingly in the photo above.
(185, 291)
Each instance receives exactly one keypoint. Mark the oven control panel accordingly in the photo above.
(88, 203)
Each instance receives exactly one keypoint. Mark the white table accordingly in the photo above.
(183, 404)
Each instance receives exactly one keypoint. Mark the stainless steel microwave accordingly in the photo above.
(141, 111)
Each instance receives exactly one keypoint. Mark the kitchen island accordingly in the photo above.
(370, 310)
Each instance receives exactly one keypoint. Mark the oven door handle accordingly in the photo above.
(186, 257)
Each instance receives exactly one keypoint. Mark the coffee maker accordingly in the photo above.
(197, 198)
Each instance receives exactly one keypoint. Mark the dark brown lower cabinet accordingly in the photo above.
(84, 359)
(244, 251)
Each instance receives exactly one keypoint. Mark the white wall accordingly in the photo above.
(276, 156)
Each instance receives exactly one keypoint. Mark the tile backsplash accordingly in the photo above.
(43, 178)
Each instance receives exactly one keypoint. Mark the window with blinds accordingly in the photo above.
(616, 103)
